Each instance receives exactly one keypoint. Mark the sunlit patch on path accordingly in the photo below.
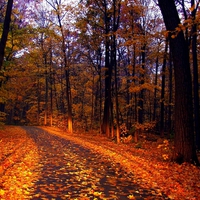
(18, 159)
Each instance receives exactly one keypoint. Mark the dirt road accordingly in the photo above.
(62, 169)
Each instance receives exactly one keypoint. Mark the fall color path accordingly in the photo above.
(68, 171)
(52, 167)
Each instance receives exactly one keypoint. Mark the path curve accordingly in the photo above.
(69, 171)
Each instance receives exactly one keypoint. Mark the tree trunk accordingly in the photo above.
(5, 32)
(108, 77)
(107, 102)
(185, 150)
(100, 87)
(162, 107)
(141, 95)
(68, 89)
(170, 95)
(51, 89)
(38, 96)
(114, 62)
(155, 91)
(69, 103)
(46, 92)
(195, 76)
(4, 36)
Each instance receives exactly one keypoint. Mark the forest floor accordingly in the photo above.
(148, 160)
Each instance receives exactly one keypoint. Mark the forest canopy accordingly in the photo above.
(101, 65)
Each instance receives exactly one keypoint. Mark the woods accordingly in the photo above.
(184, 137)
(98, 65)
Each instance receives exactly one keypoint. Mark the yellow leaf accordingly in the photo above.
(97, 193)
(131, 196)
(26, 192)
(2, 192)
(29, 173)
(19, 191)
(165, 156)
(25, 186)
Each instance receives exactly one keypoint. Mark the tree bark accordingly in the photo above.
(107, 102)
(170, 87)
(5, 32)
(4, 36)
(108, 75)
(67, 78)
(162, 106)
(155, 91)
(185, 150)
(195, 75)
(141, 95)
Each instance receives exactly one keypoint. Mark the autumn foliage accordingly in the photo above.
(95, 65)
(20, 165)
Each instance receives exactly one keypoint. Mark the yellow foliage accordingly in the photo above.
(2, 192)
(131, 197)
(97, 193)
(165, 156)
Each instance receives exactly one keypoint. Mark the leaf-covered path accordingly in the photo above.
(46, 166)
(48, 163)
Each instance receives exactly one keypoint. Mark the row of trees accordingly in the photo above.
(98, 64)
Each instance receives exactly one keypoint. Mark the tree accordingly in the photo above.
(162, 108)
(104, 16)
(57, 6)
(5, 31)
(107, 14)
(116, 18)
(195, 72)
(4, 37)
(184, 143)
